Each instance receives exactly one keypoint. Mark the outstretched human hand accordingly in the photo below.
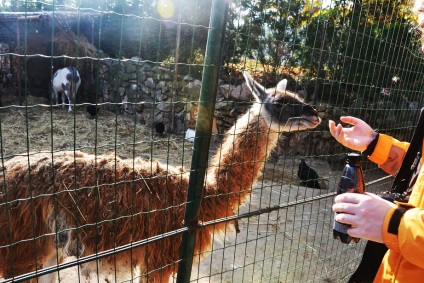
(357, 137)
(364, 212)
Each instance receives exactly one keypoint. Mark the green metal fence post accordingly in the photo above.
(203, 135)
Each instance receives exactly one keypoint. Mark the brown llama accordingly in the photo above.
(76, 204)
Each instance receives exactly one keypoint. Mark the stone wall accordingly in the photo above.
(147, 92)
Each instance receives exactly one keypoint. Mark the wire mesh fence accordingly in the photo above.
(147, 179)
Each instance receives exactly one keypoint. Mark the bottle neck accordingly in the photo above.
(353, 163)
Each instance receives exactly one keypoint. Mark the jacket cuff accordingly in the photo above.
(391, 224)
(390, 240)
(370, 148)
(382, 149)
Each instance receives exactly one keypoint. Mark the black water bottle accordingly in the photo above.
(352, 181)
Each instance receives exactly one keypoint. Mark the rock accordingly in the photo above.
(127, 76)
(160, 85)
(188, 78)
(129, 68)
(141, 76)
(109, 62)
(149, 103)
(193, 89)
(132, 92)
(164, 106)
(135, 59)
(144, 67)
(158, 95)
(224, 105)
(166, 77)
(241, 93)
(149, 82)
(145, 90)
(121, 91)
(179, 107)
(225, 90)
(165, 89)
(159, 69)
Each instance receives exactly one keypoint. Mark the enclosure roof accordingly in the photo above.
(21, 16)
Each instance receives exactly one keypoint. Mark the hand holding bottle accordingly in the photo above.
(364, 212)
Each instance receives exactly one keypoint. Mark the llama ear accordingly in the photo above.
(282, 85)
(258, 91)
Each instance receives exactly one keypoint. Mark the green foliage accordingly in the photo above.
(350, 49)
(264, 31)
(366, 45)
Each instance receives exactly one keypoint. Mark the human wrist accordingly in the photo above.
(371, 146)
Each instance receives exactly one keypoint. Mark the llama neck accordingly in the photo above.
(239, 162)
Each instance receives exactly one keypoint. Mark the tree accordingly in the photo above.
(270, 30)
(367, 44)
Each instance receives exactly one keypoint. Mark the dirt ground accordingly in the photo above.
(291, 244)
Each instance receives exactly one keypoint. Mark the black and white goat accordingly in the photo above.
(67, 81)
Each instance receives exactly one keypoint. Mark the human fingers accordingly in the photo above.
(331, 126)
(338, 133)
(363, 204)
(346, 218)
(350, 120)
(371, 195)
(379, 199)
(342, 135)
(350, 198)
(344, 207)
(334, 130)
(361, 228)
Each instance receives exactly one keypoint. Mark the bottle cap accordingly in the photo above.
(353, 158)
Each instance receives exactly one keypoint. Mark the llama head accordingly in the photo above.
(282, 110)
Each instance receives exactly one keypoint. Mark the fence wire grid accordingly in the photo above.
(145, 179)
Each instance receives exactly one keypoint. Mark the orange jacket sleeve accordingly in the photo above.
(409, 242)
(389, 153)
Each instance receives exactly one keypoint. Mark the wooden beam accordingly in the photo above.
(18, 72)
(30, 18)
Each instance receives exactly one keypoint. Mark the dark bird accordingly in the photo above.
(160, 128)
(92, 110)
(308, 176)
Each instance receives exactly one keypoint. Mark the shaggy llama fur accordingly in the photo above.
(74, 204)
